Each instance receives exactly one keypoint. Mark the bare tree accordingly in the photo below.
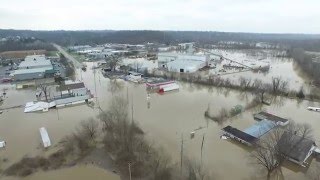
(244, 83)
(279, 85)
(161, 165)
(273, 149)
(313, 172)
(137, 66)
(194, 170)
(89, 128)
(45, 89)
(115, 86)
(113, 61)
(260, 89)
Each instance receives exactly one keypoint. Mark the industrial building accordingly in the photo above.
(33, 67)
(176, 62)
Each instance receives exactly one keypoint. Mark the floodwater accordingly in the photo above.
(279, 67)
(78, 173)
(166, 119)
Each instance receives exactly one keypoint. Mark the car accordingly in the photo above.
(6, 80)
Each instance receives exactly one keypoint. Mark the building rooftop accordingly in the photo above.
(35, 70)
(188, 65)
(295, 147)
(70, 86)
(260, 128)
(240, 134)
(34, 61)
(264, 115)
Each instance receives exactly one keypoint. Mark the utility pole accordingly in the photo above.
(132, 108)
(129, 164)
(202, 148)
(181, 154)
(127, 95)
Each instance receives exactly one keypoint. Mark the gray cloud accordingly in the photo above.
(279, 16)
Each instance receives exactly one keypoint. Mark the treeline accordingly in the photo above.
(25, 44)
(309, 42)
(276, 87)
(306, 62)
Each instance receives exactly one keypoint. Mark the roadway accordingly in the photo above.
(75, 62)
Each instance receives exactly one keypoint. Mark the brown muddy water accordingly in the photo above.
(279, 67)
(78, 173)
(166, 119)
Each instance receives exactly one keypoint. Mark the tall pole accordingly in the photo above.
(127, 94)
(202, 148)
(181, 154)
(95, 88)
(129, 164)
(132, 108)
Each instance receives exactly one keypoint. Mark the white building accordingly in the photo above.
(35, 61)
(33, 67)
(182, 62)
(187, 66)
(164, 58)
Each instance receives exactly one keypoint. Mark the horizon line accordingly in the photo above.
(212, 31)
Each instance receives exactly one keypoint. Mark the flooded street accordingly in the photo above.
(166, 120)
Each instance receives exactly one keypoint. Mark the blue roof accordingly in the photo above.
(260, 128)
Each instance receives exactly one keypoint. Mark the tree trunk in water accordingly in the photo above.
(45, 94)
(268, 175)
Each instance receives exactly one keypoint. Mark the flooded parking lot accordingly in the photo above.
(166, 120)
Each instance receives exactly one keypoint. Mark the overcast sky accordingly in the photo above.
(269, 16)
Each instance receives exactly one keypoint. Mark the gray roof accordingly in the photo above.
(240, 134)
(28, 71)
(72, 86)
(264, 115)
(35, 61)
(294, 146)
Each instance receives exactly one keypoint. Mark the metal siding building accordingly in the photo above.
(187, 66)
(182, 62)
(26, 74)
(33, 67)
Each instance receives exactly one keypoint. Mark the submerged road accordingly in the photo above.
(76, 63)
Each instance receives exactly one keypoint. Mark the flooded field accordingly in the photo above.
(166, 120)
(279, 67)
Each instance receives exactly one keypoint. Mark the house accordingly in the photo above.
(33, 67)
(239, 135)
(276, 119)
(70, 93)
(296, 148)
